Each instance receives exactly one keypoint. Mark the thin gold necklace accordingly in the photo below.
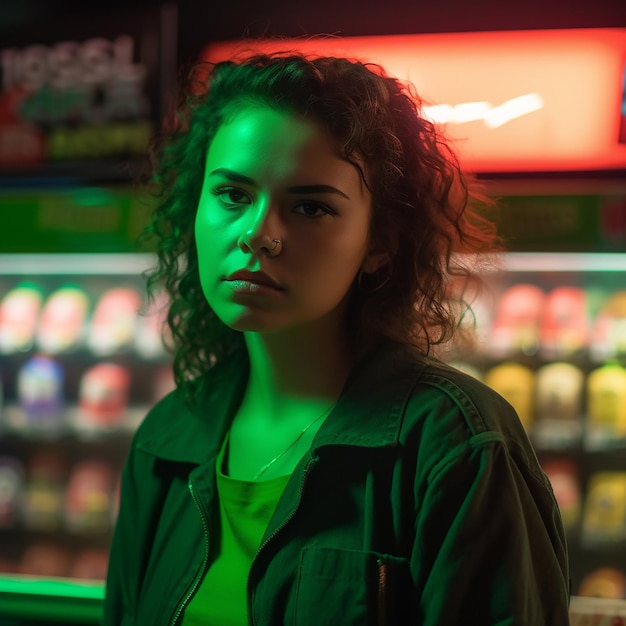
(291, 445)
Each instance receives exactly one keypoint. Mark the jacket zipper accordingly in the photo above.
(284, 523)
(205, 559)
(382, 592)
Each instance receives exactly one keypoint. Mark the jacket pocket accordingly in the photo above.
(351, 587)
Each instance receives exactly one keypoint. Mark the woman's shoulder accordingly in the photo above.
(444, 399)
(453, 410)
(481, 406)
(440, 382)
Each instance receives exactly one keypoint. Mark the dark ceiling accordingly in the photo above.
(201, 21)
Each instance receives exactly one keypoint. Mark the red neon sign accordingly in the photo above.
(510, 101)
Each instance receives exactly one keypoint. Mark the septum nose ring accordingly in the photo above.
(276, 249)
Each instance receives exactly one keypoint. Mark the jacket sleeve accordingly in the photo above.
(128, 545)
(490, 548)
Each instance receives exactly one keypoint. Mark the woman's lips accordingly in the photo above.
(244, 280)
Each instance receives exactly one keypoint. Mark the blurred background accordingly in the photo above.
(534, 96)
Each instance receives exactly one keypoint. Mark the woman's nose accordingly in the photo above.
(257, 244)
(261, 234)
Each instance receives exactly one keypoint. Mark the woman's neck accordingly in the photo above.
(290, 368)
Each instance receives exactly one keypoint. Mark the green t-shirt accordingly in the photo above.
(245, 510)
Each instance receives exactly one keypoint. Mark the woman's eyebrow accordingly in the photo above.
(240, 178)
(307, 189)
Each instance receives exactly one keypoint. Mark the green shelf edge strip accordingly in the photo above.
(51, 599)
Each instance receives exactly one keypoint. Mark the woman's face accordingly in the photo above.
(274, 175)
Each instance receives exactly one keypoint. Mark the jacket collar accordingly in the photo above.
(368, 412)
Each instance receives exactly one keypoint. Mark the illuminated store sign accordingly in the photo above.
(82, 99)
(73, 100)
(511, 101)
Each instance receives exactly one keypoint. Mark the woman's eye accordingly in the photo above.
(231, 196)
(312, 209)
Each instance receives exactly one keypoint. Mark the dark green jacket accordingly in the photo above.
(421, 502)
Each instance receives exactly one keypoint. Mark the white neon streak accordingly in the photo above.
(438, 113)
(491, 116)
(471, 111)
(511, 109)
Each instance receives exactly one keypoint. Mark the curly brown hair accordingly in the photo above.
(423, 215)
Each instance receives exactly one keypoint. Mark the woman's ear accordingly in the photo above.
(374, 261)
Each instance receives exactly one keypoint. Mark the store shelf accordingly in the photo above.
(126, 264)
(597, 612)
(74, 264)
(53, 600)
(563, 262)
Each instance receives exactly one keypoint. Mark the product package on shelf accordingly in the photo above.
(515, 382)
(606, 407)
(19, 315)
(558, 408)
(604, 519)
(63, 320)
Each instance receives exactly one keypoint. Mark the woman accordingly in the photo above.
(315, 465)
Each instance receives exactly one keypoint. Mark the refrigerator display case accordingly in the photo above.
(81, 361)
